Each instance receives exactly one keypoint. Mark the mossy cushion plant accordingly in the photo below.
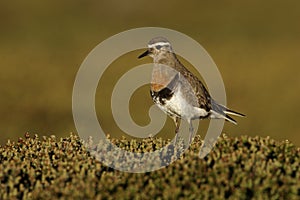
(237, 168)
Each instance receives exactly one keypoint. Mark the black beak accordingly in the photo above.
(144, 54)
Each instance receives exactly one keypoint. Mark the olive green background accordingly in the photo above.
(255, 45)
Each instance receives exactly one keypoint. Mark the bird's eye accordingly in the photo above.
(158, 47)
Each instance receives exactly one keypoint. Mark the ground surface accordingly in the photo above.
(237, 168)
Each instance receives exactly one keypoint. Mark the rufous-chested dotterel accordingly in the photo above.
(178, 92)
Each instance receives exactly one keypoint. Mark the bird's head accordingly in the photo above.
(158, 46)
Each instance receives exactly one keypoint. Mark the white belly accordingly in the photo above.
(180, 106)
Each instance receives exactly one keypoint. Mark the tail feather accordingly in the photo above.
(231, 112)
(220, 111)
(217, 115)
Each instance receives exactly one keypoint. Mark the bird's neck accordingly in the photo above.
(169, 59)
(166, 58)
(165, 69)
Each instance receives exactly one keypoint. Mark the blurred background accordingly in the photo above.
(255, 44)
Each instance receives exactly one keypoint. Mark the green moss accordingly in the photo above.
(237, 168)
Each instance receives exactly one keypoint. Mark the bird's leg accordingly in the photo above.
(191, 130)
(177, 121)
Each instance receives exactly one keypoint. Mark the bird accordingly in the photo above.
(178, 92)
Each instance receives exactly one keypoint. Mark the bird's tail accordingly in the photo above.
(221, 112)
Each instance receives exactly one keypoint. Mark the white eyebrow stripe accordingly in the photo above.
(158, 43)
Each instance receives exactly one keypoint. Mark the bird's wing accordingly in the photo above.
(201, 93)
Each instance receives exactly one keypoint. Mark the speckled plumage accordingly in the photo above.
(177, 91)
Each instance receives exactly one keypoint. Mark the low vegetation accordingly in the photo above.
(237, 168)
